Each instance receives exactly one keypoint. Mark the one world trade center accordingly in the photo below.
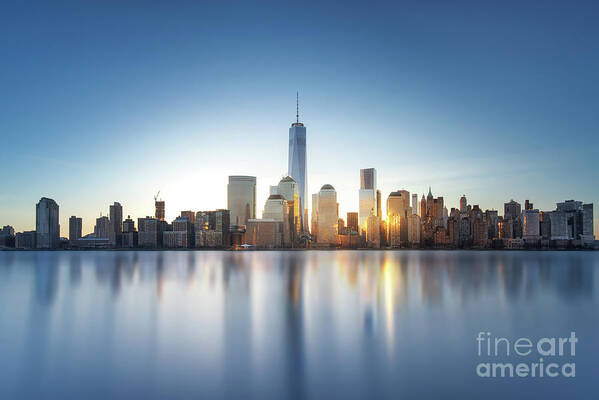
(297, 161)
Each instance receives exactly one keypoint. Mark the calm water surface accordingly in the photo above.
(339, 324)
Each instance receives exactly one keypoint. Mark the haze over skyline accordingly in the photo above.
(106, 102)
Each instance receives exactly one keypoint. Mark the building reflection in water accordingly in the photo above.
(264, 321)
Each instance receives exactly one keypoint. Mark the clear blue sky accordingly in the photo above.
(103, 101)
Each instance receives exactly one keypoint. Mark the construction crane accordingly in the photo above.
(158, 207)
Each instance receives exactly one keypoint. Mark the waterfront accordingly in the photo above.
(310, 324)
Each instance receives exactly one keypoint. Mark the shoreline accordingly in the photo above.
(294, 250)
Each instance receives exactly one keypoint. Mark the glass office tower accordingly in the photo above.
(297, 163)
(47, 227)
(367, 195)
(241, 198)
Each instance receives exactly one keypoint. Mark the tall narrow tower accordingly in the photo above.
(367, 195)
(297, 161)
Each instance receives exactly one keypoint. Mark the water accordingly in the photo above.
(338, 324)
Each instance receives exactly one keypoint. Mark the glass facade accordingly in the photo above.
(328, 215)
(297, 162)
(241, 198)
(47, 227)
(367, 205)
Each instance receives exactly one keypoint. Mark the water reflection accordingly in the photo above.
(379, 279)
(275, 324)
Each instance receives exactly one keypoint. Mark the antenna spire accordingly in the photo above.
(297, 107)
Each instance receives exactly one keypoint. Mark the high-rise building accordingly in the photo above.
(439, 208)
(545, 225)
(314, 221)
(367, 196)
(160, 207)
(398, 210)
(116, 218)
(150, 232)
(579, 219)
(368, 178)
(367, 206)
(26, 240)
(129, 236)
(47, 227)
(75, 224)
(352, 221)
(328, 216)
(116, 223)
(373, 231)
(102, 228)
(588, 234)
(7, 230)
(511, 210)
(414, 203)
(559, 225)
(264, 233)
(128, 225)
(493, 223)
(432, 208)
(212, 228)
(276, 209)
(430, 204)
(394, 229)
(190, 215)
(222, 223)
(531, 225)
(379, 212)
(479, 228)
(288, 188)
(341, 226)
(528, 205)
(463, 203)
(181, 236)
(7, 236)
(241, 198)
(414, 229)
(296, 167)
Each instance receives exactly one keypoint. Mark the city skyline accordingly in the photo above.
(257, 212)
(427, 99)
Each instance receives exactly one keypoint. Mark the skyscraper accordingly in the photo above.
(116, 222)
(328, 216)
(398, 211)
(102, 228)
(314, 223)
(191, 215)
(352, 221)
(160, 209)
(74, 228)
(463, 203)
(379, 210)
(277, 209)
(531, 224)
(47, 228)
(511, 210)
(241, 198)
(297, 161)
(287, 188)
(368, 198)
(368, 178)
(414, 203)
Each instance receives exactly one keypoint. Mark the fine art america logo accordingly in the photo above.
(551, 356)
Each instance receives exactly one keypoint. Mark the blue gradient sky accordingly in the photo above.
(106, 102)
